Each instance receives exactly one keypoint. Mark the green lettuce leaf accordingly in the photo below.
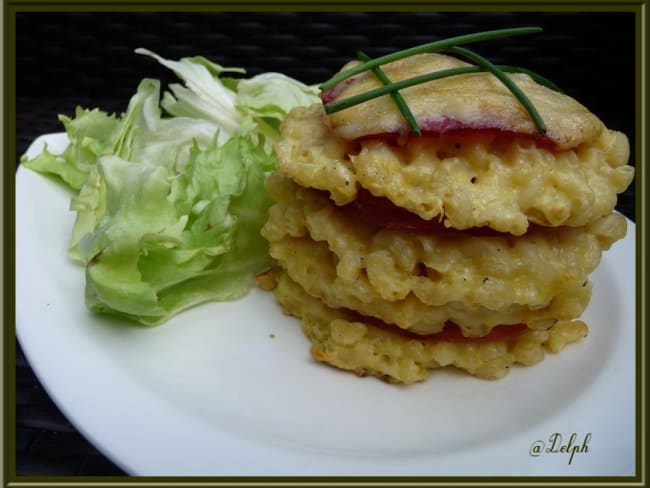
(170, 195)
(206, 96)
(92, 133)
(168, 241)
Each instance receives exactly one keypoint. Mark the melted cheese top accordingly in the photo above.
(474, 101)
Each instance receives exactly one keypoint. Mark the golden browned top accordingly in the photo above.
(475, 101)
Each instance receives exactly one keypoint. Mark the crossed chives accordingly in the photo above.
(448, 45)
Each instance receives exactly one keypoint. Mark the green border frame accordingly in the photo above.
(11, 7)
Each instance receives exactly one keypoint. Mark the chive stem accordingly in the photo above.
(535, 76)
(395, 95)
(398, 85)
(428, 47)
(511, 85)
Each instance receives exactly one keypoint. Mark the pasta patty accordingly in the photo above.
(466, 179)
(469, 245)
(341, 340)
(419, 282)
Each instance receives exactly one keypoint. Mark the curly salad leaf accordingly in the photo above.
(170, 195)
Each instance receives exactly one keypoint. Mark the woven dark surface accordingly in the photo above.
(64, 60)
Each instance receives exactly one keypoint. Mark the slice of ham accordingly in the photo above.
(450, 333)
(450, 128)
(381, 212)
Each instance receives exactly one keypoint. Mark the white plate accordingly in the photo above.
(230, 389)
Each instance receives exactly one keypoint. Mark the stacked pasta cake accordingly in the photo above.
(467, 245)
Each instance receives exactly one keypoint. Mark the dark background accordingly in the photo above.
(69, 59)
